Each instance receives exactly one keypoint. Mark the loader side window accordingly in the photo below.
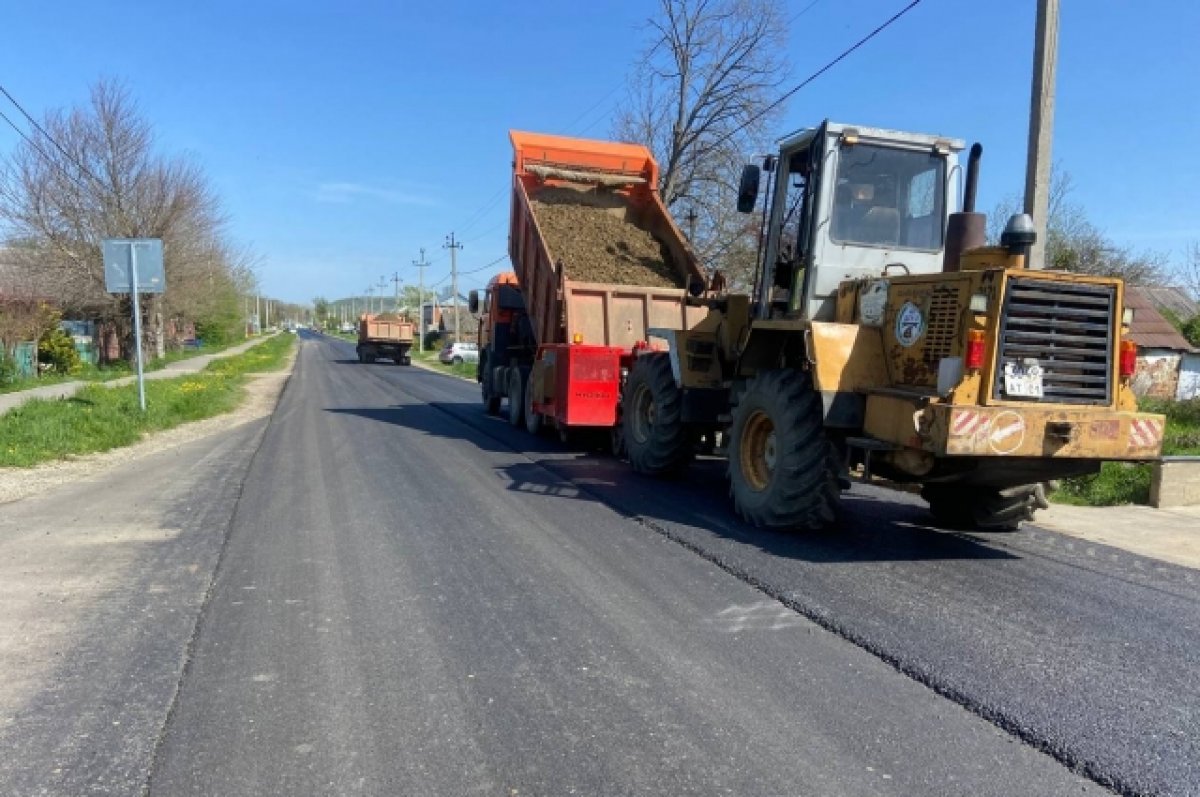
(889, 197)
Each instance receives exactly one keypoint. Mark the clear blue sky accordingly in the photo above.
(344, 136)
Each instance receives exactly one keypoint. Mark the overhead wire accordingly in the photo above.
(51, 138)
(42, 152)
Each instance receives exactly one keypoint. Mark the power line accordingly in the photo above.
(488, 205)
(52, 139)
(818, 73)
(42, 152)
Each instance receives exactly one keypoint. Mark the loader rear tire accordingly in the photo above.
(516, 397)
(783, 470)
(984, 508)
(656, 439)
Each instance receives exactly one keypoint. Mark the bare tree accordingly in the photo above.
(1074, 243)
(100, 177)
(699, 99)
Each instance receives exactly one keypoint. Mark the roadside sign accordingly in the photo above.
(118, 261)
(135, 266)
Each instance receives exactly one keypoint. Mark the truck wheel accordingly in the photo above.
(656, 439)
(516, 397)
(533, 420)
(984, 508)
(782, 467)
(491, 401)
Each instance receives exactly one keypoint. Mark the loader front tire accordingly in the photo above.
(984, 508)
(783, 470)
(655, 437)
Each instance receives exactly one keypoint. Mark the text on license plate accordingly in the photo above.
(1023, 380)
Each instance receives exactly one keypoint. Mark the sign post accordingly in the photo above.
(123, 273)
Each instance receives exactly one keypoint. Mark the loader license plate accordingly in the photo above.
(1023, 380)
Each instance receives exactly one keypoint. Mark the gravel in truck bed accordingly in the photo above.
(589, 232)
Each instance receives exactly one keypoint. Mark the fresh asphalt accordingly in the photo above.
(383, 591)
(415, 598)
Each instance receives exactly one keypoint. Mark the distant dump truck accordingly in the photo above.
(599, 264)
(387, 336)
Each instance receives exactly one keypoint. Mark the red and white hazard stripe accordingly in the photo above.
(1145, 432)
(967, 422)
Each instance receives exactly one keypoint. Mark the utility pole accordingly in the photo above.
(1041, 126)
(453, 247)
(396, 282)
(370, 298)
(381, 285)
(421, 298)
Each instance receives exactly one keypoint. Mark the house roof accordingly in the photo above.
(1149, 329)
(1175, 300)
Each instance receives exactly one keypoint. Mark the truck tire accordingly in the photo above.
(533, 420)
(656, 440)
(491, 401)
(516, 397)
(984, 508)
(783, 470)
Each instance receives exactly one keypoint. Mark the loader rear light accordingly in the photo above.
(577, 338)
(973, 360)
(1128, 358)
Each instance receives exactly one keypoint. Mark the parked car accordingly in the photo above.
(459, 353)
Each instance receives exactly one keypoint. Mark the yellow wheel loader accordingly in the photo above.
(882, 333)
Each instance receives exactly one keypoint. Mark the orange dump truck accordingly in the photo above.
(387, 336)
(599, 263)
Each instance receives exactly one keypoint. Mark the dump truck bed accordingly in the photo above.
(384, 329)
(597, 255)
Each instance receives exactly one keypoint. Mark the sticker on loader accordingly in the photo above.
(910, 324)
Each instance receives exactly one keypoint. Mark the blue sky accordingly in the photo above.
(344, 136)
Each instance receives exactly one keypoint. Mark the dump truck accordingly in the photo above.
(388, 336)
(882, 333)
(598, 265)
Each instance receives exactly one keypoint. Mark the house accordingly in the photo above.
(1168, 367)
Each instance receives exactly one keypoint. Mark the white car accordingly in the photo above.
(459, 353)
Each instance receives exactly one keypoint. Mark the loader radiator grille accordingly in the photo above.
(1067, 328)
(944, 322)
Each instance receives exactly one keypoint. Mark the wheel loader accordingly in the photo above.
(882, 334)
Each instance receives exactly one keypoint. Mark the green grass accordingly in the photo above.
(113, 370)
(1123, 483)
(98, 418)
(429, 357)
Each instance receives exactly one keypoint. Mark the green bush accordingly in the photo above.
(1117, 483)
(56, 350)
(8, 369)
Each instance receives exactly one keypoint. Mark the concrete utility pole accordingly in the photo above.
(421, 298)
(1041, 126)
(381, 285)
(396, 282)
(453, 247)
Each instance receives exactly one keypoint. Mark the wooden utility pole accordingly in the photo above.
(453, 247)
(421, 298)
(1041, 126)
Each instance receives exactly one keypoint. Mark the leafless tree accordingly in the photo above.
(698, 98)
(1074, 243)
(98, 178)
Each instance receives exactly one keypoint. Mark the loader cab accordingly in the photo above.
(844, 202)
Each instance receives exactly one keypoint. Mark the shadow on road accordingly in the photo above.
(695, 505)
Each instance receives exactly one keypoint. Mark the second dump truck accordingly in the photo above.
(387, 336)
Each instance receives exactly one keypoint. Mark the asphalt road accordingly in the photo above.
(417, 599)
(383, 591)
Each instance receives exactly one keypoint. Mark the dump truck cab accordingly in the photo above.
(845, 202)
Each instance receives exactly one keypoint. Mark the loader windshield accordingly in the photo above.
(889, 197)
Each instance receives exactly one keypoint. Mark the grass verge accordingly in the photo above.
(113, 370)
(1123, 483)
(98, 418)
(430, 357)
